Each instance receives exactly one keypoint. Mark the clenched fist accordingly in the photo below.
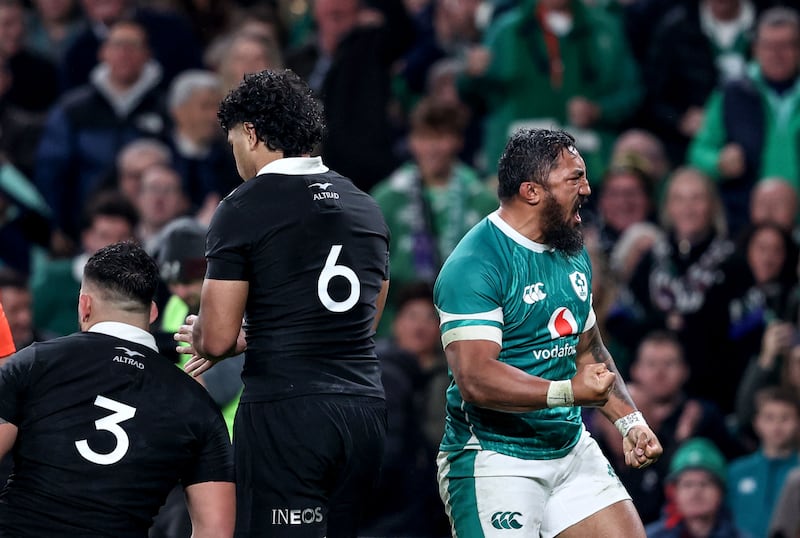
(592, 384)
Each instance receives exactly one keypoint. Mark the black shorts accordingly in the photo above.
(306, 466)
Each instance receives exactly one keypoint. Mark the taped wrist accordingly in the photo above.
(559, 394)
(627, 422)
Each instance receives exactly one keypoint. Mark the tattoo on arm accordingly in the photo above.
(601, 355)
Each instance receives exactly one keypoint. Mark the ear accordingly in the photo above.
(530, 192)
(153, 312)
(250, 132)
(84, 307)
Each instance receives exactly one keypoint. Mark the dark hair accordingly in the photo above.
(530, 155)
(432, 116)
(776, 394)
(661, 336)
(282, 109)
(125, 274)
(10, 278)
(412, 292)
(646, 182)
(110, 204)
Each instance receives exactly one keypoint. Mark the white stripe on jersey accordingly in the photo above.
(591, 320)
(492, 315)
(473, 332)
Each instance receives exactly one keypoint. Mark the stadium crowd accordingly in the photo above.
(687, 113)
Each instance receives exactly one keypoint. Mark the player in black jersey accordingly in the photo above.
(303, 254)
(102, 427)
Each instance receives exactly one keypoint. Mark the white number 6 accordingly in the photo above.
(110, 424)
(328, 273)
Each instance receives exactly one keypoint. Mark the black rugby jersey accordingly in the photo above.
(315, 251)
(107, 427)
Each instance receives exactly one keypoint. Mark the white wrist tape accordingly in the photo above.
(627, 422)
(559, 394)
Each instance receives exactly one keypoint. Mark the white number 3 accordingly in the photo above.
(328, 273)
(110, 424)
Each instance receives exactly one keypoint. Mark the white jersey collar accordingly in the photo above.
(295, 166)
(126, 332)
(514, 235)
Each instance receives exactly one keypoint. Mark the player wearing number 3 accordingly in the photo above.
(302, 254)
(103, 427)
(523, 348)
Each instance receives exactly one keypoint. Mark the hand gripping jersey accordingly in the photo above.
(535, 302)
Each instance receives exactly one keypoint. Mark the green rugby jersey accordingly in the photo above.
(535, 302)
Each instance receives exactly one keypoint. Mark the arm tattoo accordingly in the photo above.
(601, 355)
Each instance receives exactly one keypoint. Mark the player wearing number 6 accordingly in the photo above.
(103, 427)
(525, 353)
(302, 254)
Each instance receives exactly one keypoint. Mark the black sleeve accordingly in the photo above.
(228, 244)
(214, 461)
(15, 378)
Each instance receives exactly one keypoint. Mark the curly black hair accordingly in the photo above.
(125, 274)
(282, 109)
(530, 155)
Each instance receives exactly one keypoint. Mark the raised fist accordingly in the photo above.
(592, 384)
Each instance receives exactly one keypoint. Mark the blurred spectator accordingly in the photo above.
(208, 19)
(644, 150)
(637, 240)
(755, 481)
(18, 307)
(749, 131)
(132, 161)
(430, 202)
(90, 124)
(200, 153)
(541, 67)
(658, 376)
(172, 41)
(670, 284)
(235, 55)
(24, 220)
(626, 198)
(777, 364)
(415, 380)
(52, 26)
(33, 84)
(55, 283)
(441, 88)
(753, 291)
(696, 496)
(181, 258)
(348, 65)
(416, 330)
(694, 48)
(774, 200)
(161, 200)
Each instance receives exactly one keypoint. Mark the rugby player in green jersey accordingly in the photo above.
(525, 354)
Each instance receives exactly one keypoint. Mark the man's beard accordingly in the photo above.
(558, 233)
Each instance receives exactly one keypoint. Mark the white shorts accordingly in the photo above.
(487, 494)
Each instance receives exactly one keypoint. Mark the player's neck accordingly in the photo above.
(520, 217)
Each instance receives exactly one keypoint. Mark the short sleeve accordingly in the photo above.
(468, 297)
(15, 378)
(228, 244)
(214, 462)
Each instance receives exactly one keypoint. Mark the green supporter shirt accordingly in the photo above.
(533, 301)
(781, 131)
(455, 208)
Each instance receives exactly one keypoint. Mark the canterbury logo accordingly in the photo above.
(506, 520)
(321, 186)
(533, 293)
